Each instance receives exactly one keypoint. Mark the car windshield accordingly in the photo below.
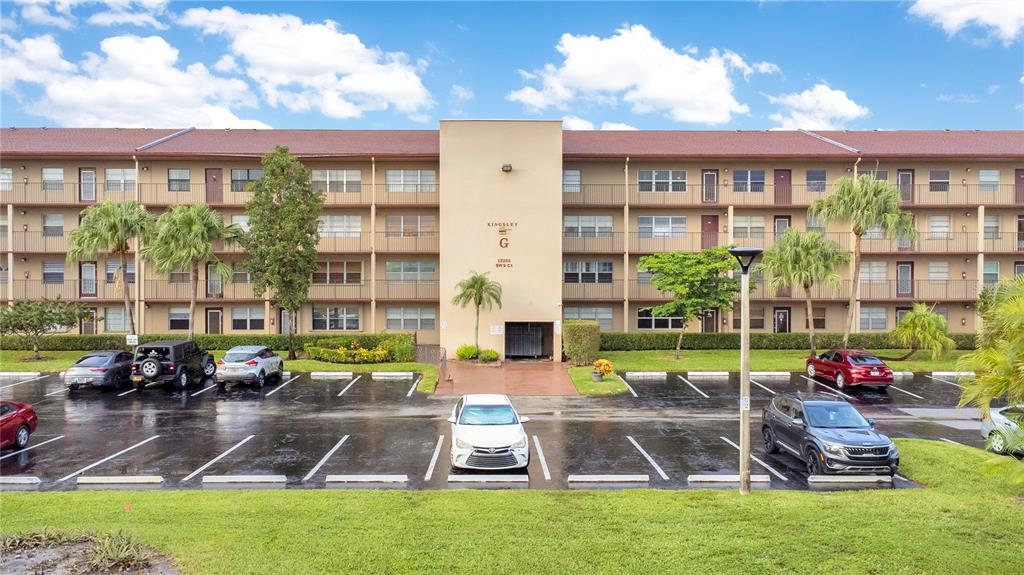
(834, 415)
(865, 360)
(238, 356)
(488, 415)
(92, 361)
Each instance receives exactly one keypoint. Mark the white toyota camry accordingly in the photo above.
(487, 433)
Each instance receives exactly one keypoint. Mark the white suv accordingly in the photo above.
(251, 364)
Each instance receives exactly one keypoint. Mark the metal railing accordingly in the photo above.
(68, 290)
(600, 242)
(390, 242)
(688, 241)
(344, 243)
(919, 290)
(593, 291)
(208, 290)
(339, 291)
(410, 290)
(925, 242)
(41, 242)
(1003, 242)
(957, 193)
(646, 291)
(55, 193)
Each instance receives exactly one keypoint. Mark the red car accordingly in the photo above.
(850, 367)
(17, 422)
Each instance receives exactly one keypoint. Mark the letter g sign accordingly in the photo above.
(503, 242)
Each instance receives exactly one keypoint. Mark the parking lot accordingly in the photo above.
(304, 432)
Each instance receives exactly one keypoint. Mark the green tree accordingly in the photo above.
(182, 239)
(697, 281)
(998, 363)
(922, 328)
(35, 319)
(481, 292)
(805, 260)
(109, 228)
(283, 233)
(864, 204)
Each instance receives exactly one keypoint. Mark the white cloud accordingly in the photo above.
(461, 93)
(226, 64)
(820, 107)
(992, 89)
(634, 66)
(121, 18)
(576, 123)
(619, 126)
(134, 81)
(959, 98)
(60, 13)
(40, 14)
(1003, 19)
(304, 66)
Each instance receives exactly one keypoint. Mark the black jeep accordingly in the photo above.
(178, 362)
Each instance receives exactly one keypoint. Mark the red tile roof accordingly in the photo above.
(933, 143)
(305, 143)
(697, 144)
(76, 141)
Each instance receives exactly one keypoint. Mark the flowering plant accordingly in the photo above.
(603, 366)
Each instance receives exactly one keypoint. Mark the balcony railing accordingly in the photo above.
(390, 242)
(56, 193)
(925, 242)
(344, 243)
(413, 290)
(646, 291)
(593, 291)
(593, 194)
(956, 193)
(208, 290)
(1004, 242)
(919, 290)
(68, 290)
(407, 194)
(762, 291)
(339, 291)
(602, 242)
(649, 243)
(40, 242)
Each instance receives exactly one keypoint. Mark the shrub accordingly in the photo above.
(615, 341)
(351, 353)
(581, 340)
(467, 352)
(604, 367)
(488, 355)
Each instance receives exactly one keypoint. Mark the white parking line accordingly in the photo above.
(25, 381)
(629, 387)
(204, 390)
(755, 458)
(627, 478)
(106, 459)
(216, 459)
(31, 447)
(695, 388)
(350, 384)
(762, 387)
(278, 388)
(945, 381)
(124, 393)
(413, 388)
(648, 457)
(320, 463)
(950, 441)
(831, 390)
(905, 391)
(62, 390)
(543, 462)
(433, 460)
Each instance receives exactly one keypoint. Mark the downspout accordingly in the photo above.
(140, 280)
(373, 239)
(627, 282)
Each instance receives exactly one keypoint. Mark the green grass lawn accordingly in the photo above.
(760, 360)
(580, 377)
(965, 522)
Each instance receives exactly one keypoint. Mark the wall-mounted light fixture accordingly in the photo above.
(506, 168)
(963, 275)
(726, 170)
(25, 179)
(26, 275)
(725, 228)
(968, 170)
(964, 181)
(22, 167)
(963, 321)
(145, 168)
(967, 260)
(24, 259)
(968, 213)
(848, 170)
(725, 182)
(963, 227)
(24, 227)
(22, 212)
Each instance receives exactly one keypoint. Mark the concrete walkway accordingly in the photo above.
(513, 378)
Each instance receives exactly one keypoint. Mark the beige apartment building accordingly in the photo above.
(559, 218)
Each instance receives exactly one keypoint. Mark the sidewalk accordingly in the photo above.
(513, 378)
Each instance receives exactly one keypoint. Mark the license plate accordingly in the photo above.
(81, 380)
(136, 378)
(874, 372)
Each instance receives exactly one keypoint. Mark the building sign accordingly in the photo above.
(503, 241)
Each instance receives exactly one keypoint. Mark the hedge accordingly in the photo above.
(612, 341)
(580, 341)
(396, 347)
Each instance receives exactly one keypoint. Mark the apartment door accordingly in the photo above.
(783, 187)
(214, 283)
(709, 321)
(904, 279)
(781, 317)
(708, 232)
(1020, 233)
(214, 320)
(87, 283)
(1018, 186)
(528, 339)
(87, 184)
(87, 326)
(709, 186)
(782, 224)
(214, 186)
(284, 321)
(905, 183)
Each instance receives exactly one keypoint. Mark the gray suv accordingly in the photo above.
(828, 434)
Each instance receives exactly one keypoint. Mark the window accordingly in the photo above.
(587, 226)
(119, 180)
(53, 225)
(179, 277)
(881, 175)
(645, 320)
(412, 180)
(3, 272)
(241, 221)
(756, 317)
(341, 226)
(938, 180)
(410, 226)
(6, 179)
(243, 318)
(114, 319)
(872, 318)
(338, 273)
(988, 180)
(748, 181)
(900, 312)
(643, 278)
(571, 181)
(411, 318)
(992, 227)
(336, 318)
(240, 274)
(178, 318)
(53, 179)
(337, 180)
(410, 271)
(874, 233)
(112, 266)
(872, 272)
(819, 318)
(938, 272)
(602, 315)
(661, 226)
(943, 311)
(661, 180)
(815, 225)
(241, 178)
(991, 272)
(53, 272)
(938, 227)
(816, 181)
(1018, 269)
(577, 272)
(178, 180)
(748, 226)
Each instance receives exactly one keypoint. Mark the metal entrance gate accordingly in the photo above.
(524, 340)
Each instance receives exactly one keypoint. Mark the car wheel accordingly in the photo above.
(840, 380)
(996, 442)
(21, 437)
(73, 386)
(813, 462)
(150, 368)
(280, 371)
(183, 379)
(770, 446)
(261, 380)
(209, 369)
(810, 370)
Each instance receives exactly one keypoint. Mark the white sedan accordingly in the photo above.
(487, 433)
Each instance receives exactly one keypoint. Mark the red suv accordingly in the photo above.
(850, 367)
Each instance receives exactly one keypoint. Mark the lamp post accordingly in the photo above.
(745, 257)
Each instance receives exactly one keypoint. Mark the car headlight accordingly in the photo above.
(833, 448)
(520, 444)
(462, 444)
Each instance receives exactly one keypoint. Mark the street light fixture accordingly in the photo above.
(745, 257)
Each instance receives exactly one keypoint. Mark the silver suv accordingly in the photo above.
(253, 364)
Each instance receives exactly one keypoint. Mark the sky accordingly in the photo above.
(924, 64)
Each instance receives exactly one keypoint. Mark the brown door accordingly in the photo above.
(709, 186)
(783, 187)
(708, 232)
(214, 320)
(905, 183)
(214, 186)
(1018, 183)
(709, 321)
(1020, 233)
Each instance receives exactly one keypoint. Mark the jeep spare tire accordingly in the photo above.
(150, 368)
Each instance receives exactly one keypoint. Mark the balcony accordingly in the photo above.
(959, 194)
(40, 242)
(339, 291)
(209, 290)
(696, 195)
(919, 290)
(762, 291)
(650, 243)
(609, 291)
(355, 242)
(67, 290)
(646, 291)
(1004, 242)
(926, 242)
(602, 242)
(407, 290)
(406, 194)
(396, 242)
(593, 194)
(56, 193)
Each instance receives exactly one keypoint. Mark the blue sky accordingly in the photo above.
(927, 64)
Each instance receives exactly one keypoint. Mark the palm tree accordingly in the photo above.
(864, 204)
(805, 260)
(183, 238)
(109, 228)
(480, 291)
(998, 363)
(922, 328)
